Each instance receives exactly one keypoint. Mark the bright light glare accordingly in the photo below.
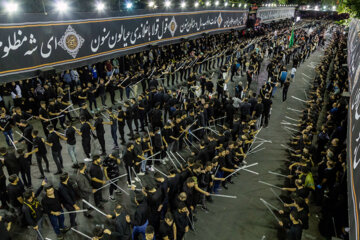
(100, 6)
(225, 4)
(62, 6)
(183, 5)
(11, 7)
(207, 3)
(129, 5)
(167, 4)
(316, 8)
(217, 3)
(196, 4)
(151, 4)
(245, 5)
(239, 4)
(333, 8)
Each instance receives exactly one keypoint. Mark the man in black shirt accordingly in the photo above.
(85, 189)
(122, 223)
(27, 135)
(266, 113)
(32, 210)
(4, 230)
(15, 191)
(71, 142)
(53, 140)
(40, 152)
(141, 216)
(97, 179)
(68, 197)
(52, 206)
(111, 170)
(3, 193)
(44, 117)
(167, 228)
(181, 217)
(121, 124)
(53, 112)
(5, 127)
(285, 89)
(10, 161)
(100, 131)
(85, 132)
(129, 159)
(24, 167)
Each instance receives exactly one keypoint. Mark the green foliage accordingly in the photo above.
(350, 6)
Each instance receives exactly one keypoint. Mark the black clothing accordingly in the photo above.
(15, 191)
(123, 227)
(70, 135)
(55, 140)
(141, 214)
(166, 231)
(51, 204)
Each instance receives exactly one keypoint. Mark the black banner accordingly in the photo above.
(29, 45)
(273, 14)
(354, 129)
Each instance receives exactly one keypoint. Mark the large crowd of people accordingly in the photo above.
(317, 150)
(164, 102)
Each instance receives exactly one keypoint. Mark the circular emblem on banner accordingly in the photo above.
(71, 41)
(219, 20)
(172, 26)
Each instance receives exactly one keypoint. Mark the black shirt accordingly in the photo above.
(27, 133)
(11, 162)
(55, 140)
(96, 172)
(44, 114)
(141, 214)
(15, 191)
(99, 126)
(6, 122)
(166, 230)
(129, 157)
(3, 231)
(70, 135)
(51, 204)
(85, 130)
(112, 167)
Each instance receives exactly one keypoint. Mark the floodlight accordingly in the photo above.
(11, 7)
(167, 3)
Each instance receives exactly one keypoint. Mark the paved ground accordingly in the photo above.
(246, 217)
(241, 218)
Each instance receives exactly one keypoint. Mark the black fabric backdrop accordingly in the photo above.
(38, 42)
(354, 129)
(273, 14)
